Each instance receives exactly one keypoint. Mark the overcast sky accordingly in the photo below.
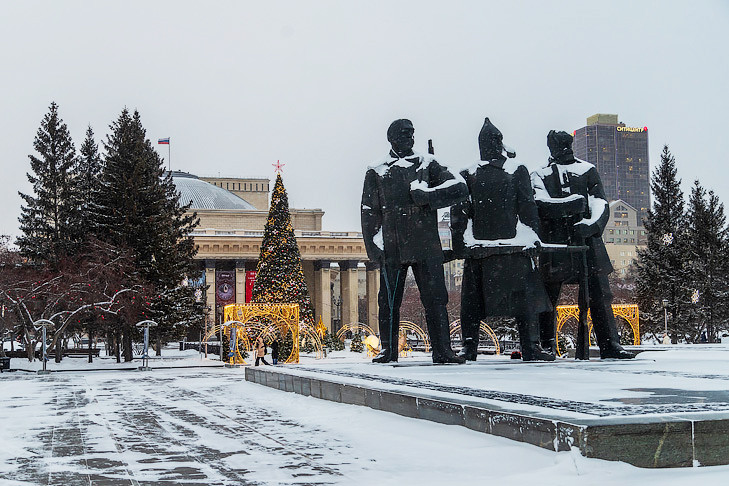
(238, 85)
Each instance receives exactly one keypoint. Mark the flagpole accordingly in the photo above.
(169, 154)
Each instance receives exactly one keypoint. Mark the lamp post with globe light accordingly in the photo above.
(666, 339)
(145, 357)
(44, 323)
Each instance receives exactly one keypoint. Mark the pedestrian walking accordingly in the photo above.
(260, 351)
(274, 351)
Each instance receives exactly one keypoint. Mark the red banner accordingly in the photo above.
(250, 280)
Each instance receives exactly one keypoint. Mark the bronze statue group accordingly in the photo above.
(503, 221)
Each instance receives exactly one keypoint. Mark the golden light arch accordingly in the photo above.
(266, 320)
(413, 328)
(629, 312)
(354, 328)
(455, 328)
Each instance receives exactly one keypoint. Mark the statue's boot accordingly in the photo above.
(534, 352)
(550, 346)
(613, 350)
(603, 323)
(385, 356)
(440, 337)
(448, 357)
(531, 349)
(469, 350)
(547, 332)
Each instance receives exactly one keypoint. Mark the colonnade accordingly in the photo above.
(318, 275)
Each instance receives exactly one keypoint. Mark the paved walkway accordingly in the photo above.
(139, 429)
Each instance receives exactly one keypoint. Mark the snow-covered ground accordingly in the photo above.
(171, 357)
(209, 426)
(675, 380)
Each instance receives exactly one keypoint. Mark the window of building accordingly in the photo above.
(226, 186)
(256, 187)
(611, 232)
(622, 253)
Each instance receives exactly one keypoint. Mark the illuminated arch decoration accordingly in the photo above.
(629, 312)
(372, 347)
(268, 321)
(306, 333)
(408, 327)
(483, 328)
(354, 328)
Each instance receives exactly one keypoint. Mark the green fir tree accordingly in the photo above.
(356, 345)
(708, 268)
(89, 170)
(662, 265)
(279, 276)
(137, 206)
(49, 218)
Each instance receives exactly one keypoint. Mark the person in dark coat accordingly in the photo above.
(495, 231)
(400, 199)
(274, 351)
(573, 209)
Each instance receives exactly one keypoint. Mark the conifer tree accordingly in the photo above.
(49, 218)
(89, 171)
(708, 247)
(661, 266)
(279, 276)
(137, 206)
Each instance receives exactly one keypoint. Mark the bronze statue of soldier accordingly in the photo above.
(400, 199)
(495, 231)
(574, 210)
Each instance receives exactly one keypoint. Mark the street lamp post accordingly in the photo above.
(666, 340)
(145, 357)
(43, 323)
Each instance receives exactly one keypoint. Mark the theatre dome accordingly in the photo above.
(205, 195)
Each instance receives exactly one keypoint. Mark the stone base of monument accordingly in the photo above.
(602, 408)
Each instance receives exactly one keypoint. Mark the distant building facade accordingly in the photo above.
(620, 154)
(233, 213)
(623, 236)
(453, 270)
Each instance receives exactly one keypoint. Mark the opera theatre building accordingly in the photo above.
(233, 213)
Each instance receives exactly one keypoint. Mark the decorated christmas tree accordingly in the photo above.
(279, 277)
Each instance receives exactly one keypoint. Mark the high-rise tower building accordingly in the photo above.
(620, 154)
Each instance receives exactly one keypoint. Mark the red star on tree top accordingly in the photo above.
(278, 166)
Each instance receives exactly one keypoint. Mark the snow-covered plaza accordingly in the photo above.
(209, 426)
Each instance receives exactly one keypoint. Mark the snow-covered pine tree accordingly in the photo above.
(137, 206)
(708, 246)
(661, 268)
(279, 276)
(49, 218)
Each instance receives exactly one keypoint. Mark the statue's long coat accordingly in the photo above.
(394, 226)
(497, 271)
(555, 187)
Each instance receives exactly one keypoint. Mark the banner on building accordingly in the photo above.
(224, 288)
(250, 280)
